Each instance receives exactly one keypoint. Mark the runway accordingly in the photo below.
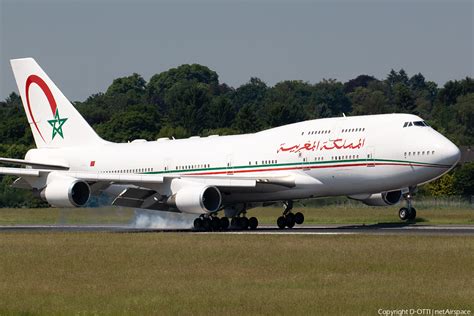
(375, 229)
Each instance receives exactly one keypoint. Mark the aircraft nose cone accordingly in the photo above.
(450, 153)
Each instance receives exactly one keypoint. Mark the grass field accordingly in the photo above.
(450, 214)
(208, 274)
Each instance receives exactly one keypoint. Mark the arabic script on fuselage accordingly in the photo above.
(331, 144)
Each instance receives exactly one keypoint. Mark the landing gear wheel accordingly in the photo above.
(290, 220)
(253, 223)
(281, 222)
(206, 224)
(244, 223)
(215, 223)
(412, 214)
(234, 222)
(224, 223)
(403, 213)
(299, 218)
(198, 223)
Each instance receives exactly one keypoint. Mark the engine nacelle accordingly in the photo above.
(66, 192)
(196, 199)
(381, 199)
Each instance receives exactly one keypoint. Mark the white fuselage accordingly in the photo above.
(327, 157)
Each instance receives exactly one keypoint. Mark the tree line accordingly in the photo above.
(190, 100)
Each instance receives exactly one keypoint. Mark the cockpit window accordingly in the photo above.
(417, 123)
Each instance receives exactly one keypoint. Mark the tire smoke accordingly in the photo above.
(162, 220)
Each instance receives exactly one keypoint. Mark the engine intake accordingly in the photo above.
(196, 199)
(66, 192)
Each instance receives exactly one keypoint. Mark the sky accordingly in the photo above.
(84, 45)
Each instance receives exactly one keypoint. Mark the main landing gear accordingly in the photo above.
(211, 223)
(214, 223)
(244, 223)
(289, 219)
(409, 212)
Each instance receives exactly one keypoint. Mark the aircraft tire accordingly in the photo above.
(403, 213)
(244, 223)
(290, 220)
(253, 223)
(224, 223)
(198, 224)
(412, 214)
(281, 222)
(215, 223)
(206, 224)
(299, 218)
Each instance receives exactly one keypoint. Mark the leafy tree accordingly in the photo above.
(251, 93)
(330, 99)
(464, 118)
(288, 102)
(189, 100)
(443, 186)
(453, 89)
(394, 78)
(417, 82)
(366, 101)
(464, 179)
(173, 132)
(360, 81)
(247, 120)
(161, 84)
(126, 126)
(403, 98)
(133, 86)
(220, 112)
(220, 131)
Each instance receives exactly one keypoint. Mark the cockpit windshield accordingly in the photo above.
(417, 123)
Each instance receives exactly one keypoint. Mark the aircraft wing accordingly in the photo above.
(145, 190)
(224, 181)
(23, 162)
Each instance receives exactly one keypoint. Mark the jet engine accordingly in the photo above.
(196, 199)
(380, 199)
(66, 192)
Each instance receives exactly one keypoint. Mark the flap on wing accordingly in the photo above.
(231, 181)
(142, 198)
(116, 178)
(223, 181)
(20, 172)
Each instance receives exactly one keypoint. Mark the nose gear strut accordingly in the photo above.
(408, 212)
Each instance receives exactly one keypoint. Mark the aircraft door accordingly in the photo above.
(370, 156)
(230, 170)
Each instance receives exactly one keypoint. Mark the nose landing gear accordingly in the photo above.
(409, 212)
(289, 219)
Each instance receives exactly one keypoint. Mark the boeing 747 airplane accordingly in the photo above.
(376, 159)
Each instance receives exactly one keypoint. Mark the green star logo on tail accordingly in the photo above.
(57, 125)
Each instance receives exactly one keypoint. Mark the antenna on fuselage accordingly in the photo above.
(343, 114)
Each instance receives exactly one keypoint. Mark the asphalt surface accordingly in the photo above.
(376, 229)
